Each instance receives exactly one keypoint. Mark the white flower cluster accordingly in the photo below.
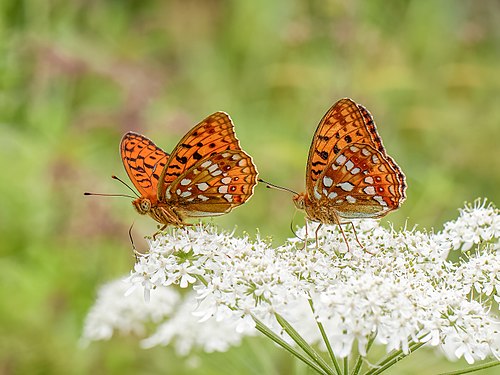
(477, 223)
(113, 311)
(400, 288)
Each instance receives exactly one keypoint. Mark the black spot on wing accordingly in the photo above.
(197, 156)
(319, 162)
(172, 174)
(181, 159)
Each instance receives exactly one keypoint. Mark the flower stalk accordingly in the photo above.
(261, 327)
(324, 336)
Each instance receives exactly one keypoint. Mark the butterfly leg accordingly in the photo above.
(186, 226)
(356, 234)
(337, 221)
(357, 239)
(345, 238)
(316, 234)
(159, 231)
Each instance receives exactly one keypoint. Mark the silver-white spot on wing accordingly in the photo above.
(317, 194)
(380, 200)
(202, 186)
(332, 195)
(370, 190)
(346, 186)
(222, 189)
(327, 181)
(341, 159)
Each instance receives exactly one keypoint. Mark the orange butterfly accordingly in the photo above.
(207, 174)
(349, 175)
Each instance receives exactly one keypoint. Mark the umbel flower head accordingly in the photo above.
(402, 291)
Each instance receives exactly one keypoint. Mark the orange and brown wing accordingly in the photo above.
(361, 182)
(214, 186)
(213, 135)
(144, 163)
(342, 125)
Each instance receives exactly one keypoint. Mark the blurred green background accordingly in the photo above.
(76, 75)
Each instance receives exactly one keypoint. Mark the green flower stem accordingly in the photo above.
(472, 369)
(393, 358)
(346, 365)
(388, 358)
(278, 340)
(326, 341)
(359, 362)
(303, 344)
(202, 280)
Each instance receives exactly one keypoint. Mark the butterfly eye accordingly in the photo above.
(145, 205)
(142, 205)
(298, 200)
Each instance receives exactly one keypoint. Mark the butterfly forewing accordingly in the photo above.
(212, 135)
(143, 161)
(216, 185)
(361, 182)
(369, 124)
(342, 125)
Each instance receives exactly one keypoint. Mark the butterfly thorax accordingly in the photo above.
(162, 213)
(315, 210)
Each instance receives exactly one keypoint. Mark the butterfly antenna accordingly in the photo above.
(124, 183)
(273, 186)
(109, 195)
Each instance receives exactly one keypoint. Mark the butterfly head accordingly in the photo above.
(300, 200)
(142, 205)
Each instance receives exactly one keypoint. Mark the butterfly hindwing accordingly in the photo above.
(143, 161)
(216, 185)
(361, 182)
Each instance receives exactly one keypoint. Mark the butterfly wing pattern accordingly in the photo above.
(207, 174)
(144, 162)
(349, 174)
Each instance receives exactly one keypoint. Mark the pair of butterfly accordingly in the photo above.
(349, 175)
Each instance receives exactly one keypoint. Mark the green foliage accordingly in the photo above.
(75, 75)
